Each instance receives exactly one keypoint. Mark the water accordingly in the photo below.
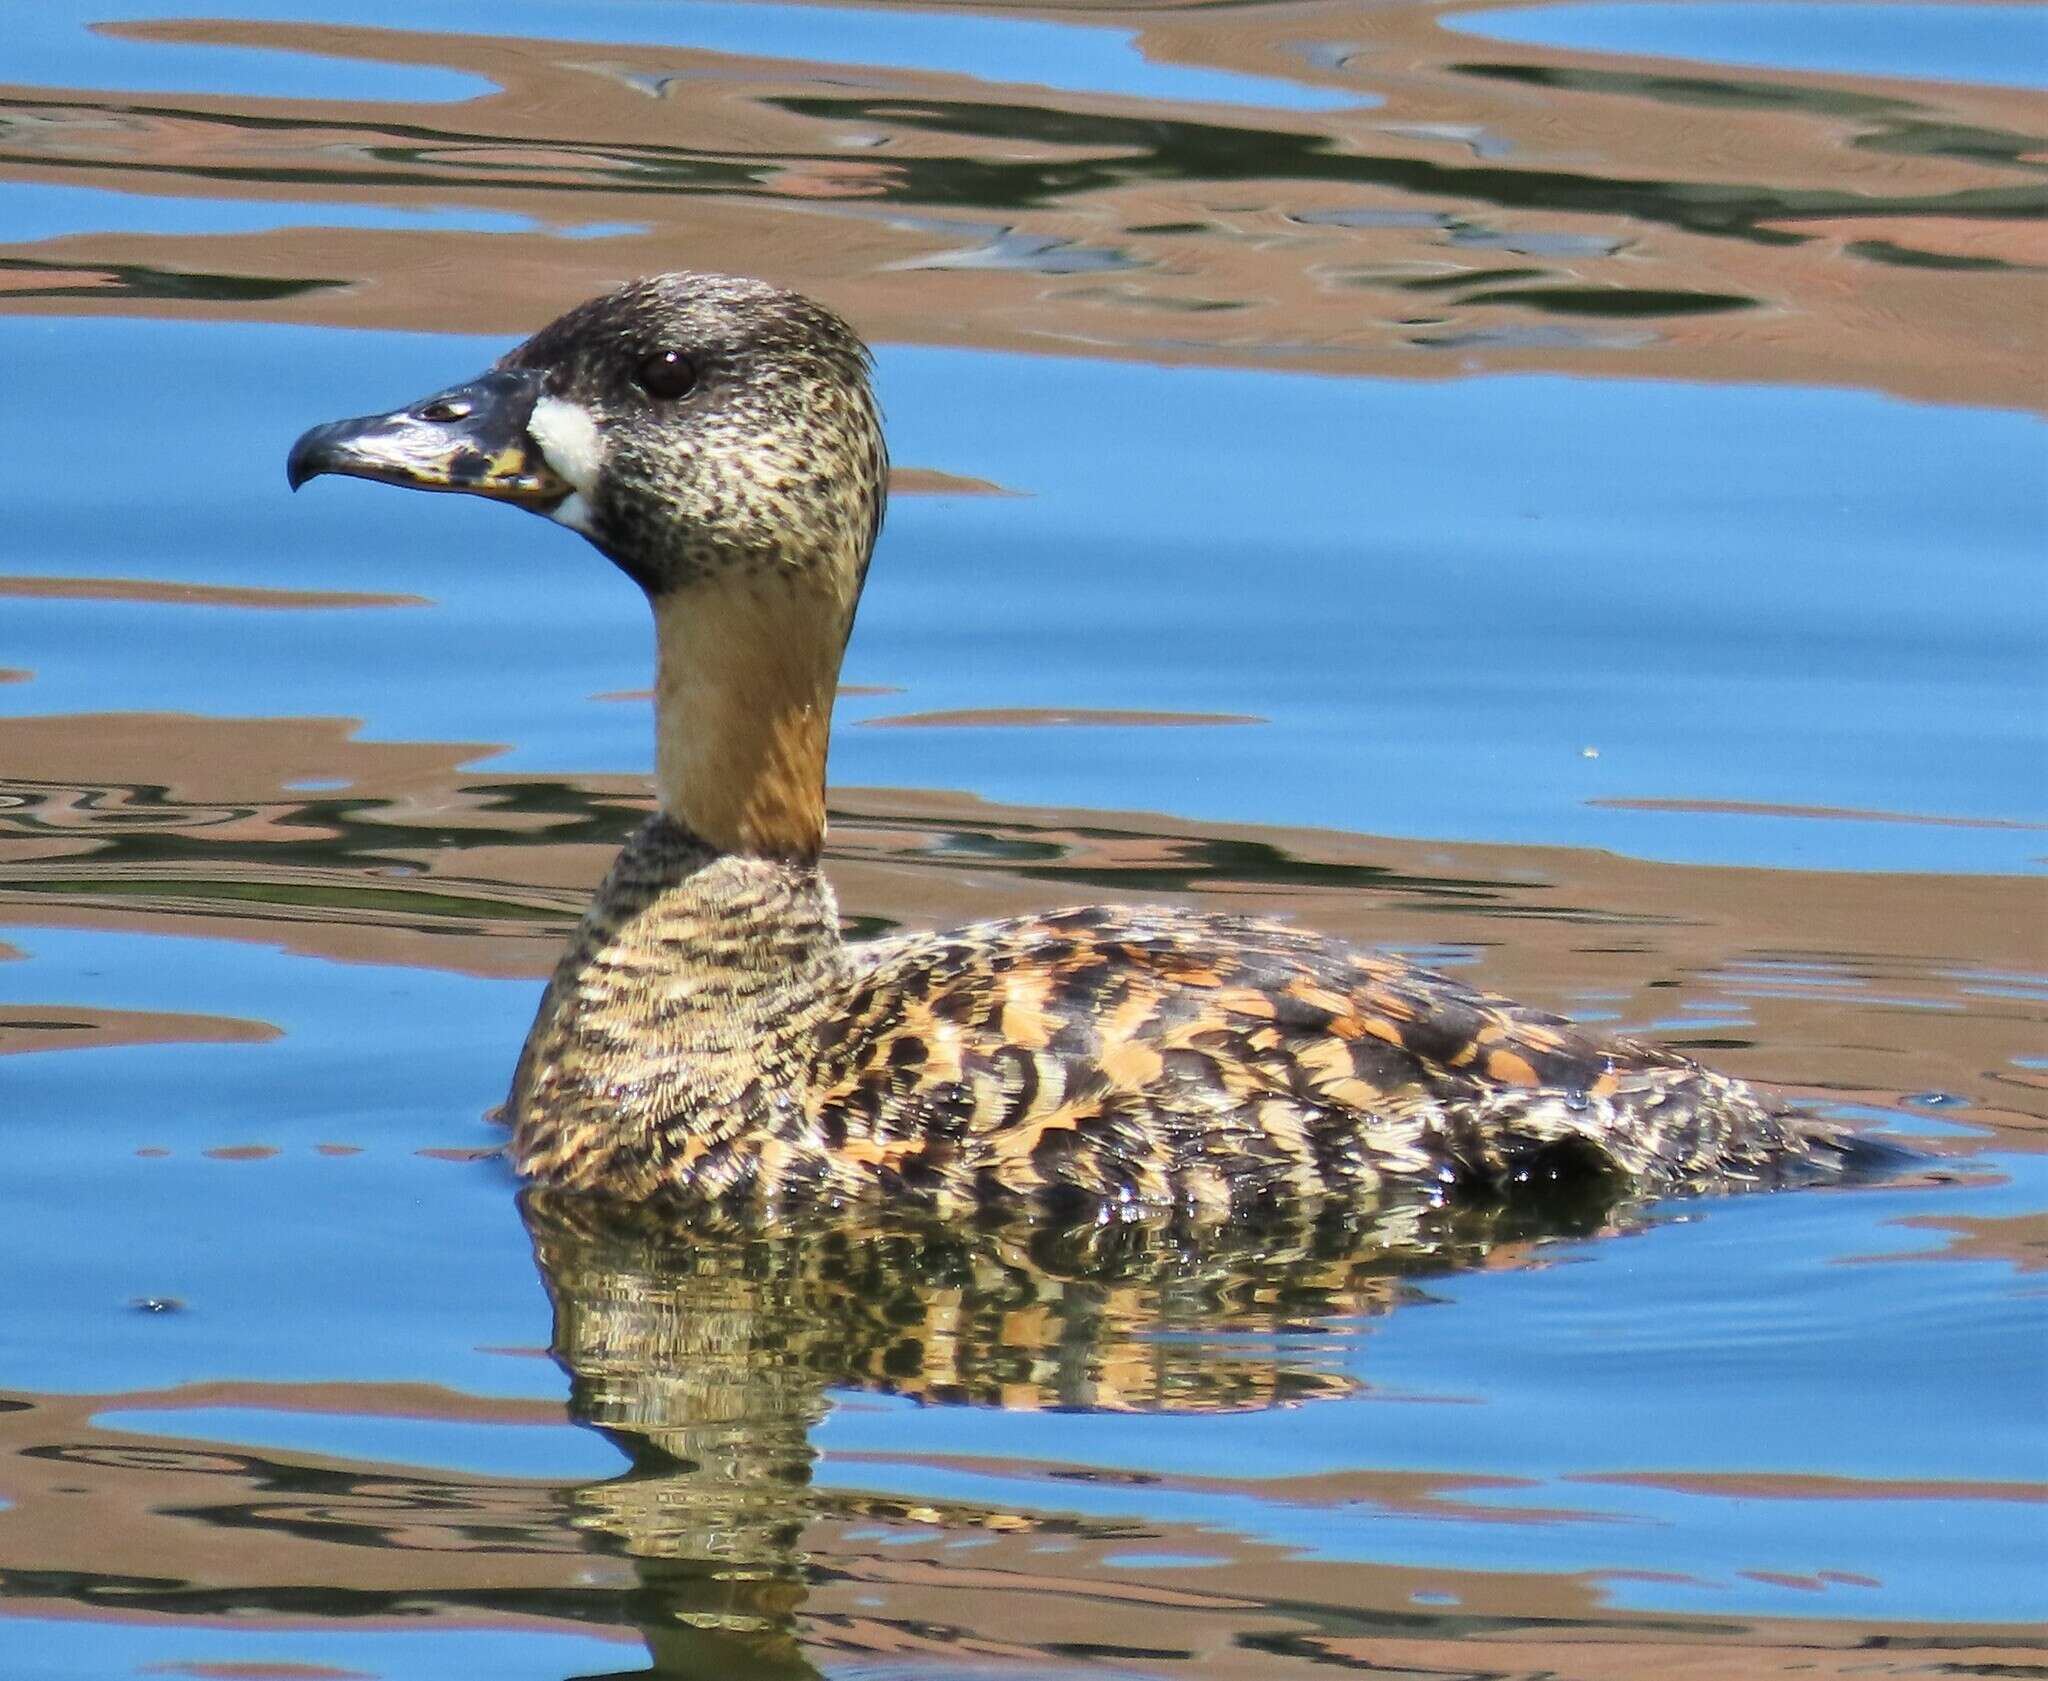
(1998, 45)
(1569, 514)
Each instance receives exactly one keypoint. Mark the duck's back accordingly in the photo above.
(1166, 1056)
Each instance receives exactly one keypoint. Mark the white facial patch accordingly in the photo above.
(569, 443)
(573, 512)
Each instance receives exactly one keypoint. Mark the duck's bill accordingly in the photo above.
(471, 438)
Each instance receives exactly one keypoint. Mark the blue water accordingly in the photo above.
(1998, 46)
(38, 212)
(43, 1650)
(353, 1291)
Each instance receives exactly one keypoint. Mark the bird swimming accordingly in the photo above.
(709, 1035)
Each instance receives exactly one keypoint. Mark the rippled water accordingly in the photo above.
(1455, 478)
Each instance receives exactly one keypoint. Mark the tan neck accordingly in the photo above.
(746, 672)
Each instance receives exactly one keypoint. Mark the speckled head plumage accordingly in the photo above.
(687, 424)
(705, 423)
(717, 439)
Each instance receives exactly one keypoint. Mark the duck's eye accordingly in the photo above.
(667, 373)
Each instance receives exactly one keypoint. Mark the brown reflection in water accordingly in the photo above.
(1500, 206)
(292, 830)
(929, 481)
(706, 1356)
(1848, 985)
(1827, 813)
(27, 280)
(160, 592)
(108, 1523)
(2021, 1240)
(72, 1027)
(1752, 1485)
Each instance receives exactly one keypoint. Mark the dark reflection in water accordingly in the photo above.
(706, 1357)
(1020, 160)
(146, 281)
(1103, 151)
(151, 845)
(1896, 126)
(1131, 149)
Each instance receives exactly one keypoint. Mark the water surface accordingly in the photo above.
(2003, 46)
(1571, 522)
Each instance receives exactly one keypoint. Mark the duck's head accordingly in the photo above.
(687, 424)
(718, 440)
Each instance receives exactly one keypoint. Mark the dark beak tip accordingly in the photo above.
(307, 459)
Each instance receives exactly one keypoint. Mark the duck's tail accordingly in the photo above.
(1666, 1130)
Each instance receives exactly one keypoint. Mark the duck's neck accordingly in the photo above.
(672, 1048)
(747, 665)
(675, 1039)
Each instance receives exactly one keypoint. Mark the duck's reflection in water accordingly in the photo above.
(707, 1355)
